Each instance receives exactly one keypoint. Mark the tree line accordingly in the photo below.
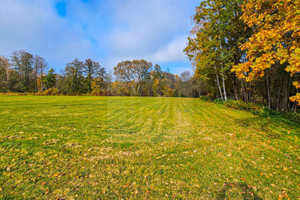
(242, 50)
(248, 50)
(24, 72)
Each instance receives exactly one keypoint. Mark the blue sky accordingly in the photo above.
(108, 31)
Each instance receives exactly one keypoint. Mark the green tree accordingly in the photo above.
(185, 87)
(22, 62)
(213, 48)
(91, 69)
(40, 64)
(136, 73)
(4, 74)
(74, 77)
(50, 79)
(157, 72)
(156, 81)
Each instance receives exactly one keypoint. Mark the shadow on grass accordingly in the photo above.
(268, 125)
(245, 190)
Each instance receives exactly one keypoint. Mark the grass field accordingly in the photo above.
(143, 148)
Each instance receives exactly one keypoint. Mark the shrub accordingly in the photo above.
(218, 101)
(263, 110)
(10, 94)
(241, 105)
(97, 91)
(51, 91)
(283, 116)
(208, 98)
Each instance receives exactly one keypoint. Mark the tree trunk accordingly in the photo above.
(42, 81)
(199, 90)
(278, 99)
(7, 75)
(244, 90)
(268, 92)
(224, 88)
(286, 93)
(249, 94)
(218, 83)
(138, 88)
(35, 84)
(133, 88)
(234, 90)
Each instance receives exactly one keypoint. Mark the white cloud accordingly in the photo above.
(144, 26)
(155, 30)
(21, 23)
(172, 51)
(33, 25)
(107, 31)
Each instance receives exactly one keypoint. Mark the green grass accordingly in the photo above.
(143, 148)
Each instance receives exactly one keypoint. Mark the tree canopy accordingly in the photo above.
(275, 42)
(248, 50)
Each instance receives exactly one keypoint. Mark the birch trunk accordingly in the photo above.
(218, 83)
(224, 88)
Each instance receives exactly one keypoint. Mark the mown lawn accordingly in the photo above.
(143, 148)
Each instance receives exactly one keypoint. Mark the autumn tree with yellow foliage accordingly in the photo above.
(248, 50)
(275, 42)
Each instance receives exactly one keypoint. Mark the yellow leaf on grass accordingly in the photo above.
(56, 174)
(285, 169)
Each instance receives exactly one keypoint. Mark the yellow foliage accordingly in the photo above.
(296, 84)
(296, 98)
(276, 38)
(51, 91)
(96, 89)
(155, 87)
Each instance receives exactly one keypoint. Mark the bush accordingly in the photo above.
(219, 101)
(51, 91)
(207, 98)
(283, 116)
(263, 111)
(241, 105)
(10, 94)
(97, 91)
